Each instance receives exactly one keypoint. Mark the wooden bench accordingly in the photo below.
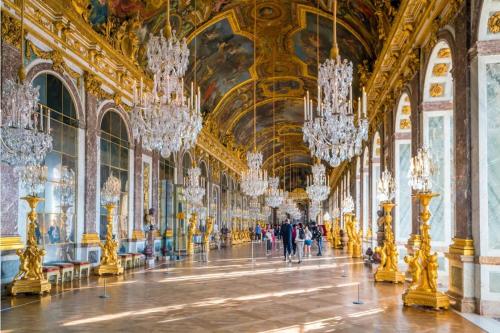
(127, 260)
(138, 259)
(50, 272)
(66, 269)
(82, 268)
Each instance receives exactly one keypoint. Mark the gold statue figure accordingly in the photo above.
(30, 277)
(191, 232)
(423, 266)
(110, 263)
(354, 241)
(337, 242)
(388, 268)
(208, 231)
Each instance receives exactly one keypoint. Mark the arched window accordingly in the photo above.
(438, 136)
(57, 217)
(402, 151)
(115, 160)
(375, 177)
(224, 199)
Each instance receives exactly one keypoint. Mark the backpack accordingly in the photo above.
(302, 234)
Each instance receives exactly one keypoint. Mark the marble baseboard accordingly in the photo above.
(488, 308)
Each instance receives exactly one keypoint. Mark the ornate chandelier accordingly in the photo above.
(331, 133)
(165, 119)
(274, 196)
(194, 190)
(254, 208)
(25, 139)
(314, 210)
(348, 204)
(254, 180)
(422, 168)
(386, 187)
(66, 187)
(33, 178)
(318, 189)
(110, 192)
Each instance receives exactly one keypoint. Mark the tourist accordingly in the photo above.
(269, 240)
(294, 235)
(286, 235)
(258, 232)
(299, 241)
(318, 236)
(308, 242)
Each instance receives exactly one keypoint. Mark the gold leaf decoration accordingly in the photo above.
(436, 90)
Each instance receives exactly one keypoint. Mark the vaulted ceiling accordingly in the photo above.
(286, 65)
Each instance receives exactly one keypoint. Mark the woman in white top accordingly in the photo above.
(308, 242)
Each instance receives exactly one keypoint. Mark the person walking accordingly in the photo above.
(318, 236)
(286, 235)
(308, 242)
(299, 241)
(269, 241)
(294, 236)
(257, 232)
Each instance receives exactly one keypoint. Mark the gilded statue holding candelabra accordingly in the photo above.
(388, 268)
(423, 266)
(208, 231)
(354, 237)
(30, 277)
(191, 233)
(110, 263)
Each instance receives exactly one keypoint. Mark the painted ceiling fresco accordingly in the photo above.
(286, 55)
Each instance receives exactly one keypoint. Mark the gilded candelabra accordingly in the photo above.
(388, 268)
(30, 277)
(423, 266)
(208, 231)
(191, 232)
(109, 264)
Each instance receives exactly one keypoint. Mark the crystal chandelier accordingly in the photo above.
(33, 178)
(318, 189)
(254, 208)
(422, 168)
(314, 210)
(386, 187)
(194, 190)
(165, 119)
(348, 204)
(274, 196)
(331, 133)
(66, 187)
(24, 139)
(110, 192)
(254, 180)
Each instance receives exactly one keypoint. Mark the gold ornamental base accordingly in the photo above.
(30, 286)
(108, 270)
(436, 300)
(356, 252)
(389, 276)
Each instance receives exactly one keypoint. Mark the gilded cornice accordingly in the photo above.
(69, 37)
(415, 26)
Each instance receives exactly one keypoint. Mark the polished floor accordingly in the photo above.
(231, 293)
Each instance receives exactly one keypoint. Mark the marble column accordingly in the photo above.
(416, 118)
(91, 158)
(138, 233)
(461, 251)
(9, 184)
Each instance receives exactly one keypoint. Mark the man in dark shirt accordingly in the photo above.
(286, 235)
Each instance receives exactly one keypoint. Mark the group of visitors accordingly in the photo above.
(298, 238)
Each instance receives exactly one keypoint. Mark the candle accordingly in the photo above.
(359, 109)
(365, 105)
(48, 120)
(41, 118)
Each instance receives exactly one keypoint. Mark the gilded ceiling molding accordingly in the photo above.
(302, 18)
(11, 30)
(58, 63)
(399, 58)
(230, 16)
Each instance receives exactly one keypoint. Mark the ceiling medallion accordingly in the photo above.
(331, 132)
(165, 119)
